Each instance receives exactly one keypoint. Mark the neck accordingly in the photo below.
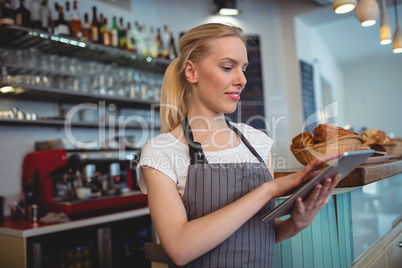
(206, 122)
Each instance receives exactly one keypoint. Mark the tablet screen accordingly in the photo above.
(343, 165)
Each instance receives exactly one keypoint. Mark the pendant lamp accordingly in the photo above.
(226, 7)
(343, 6)
(385, 29)
(398, 33)
(367, 12)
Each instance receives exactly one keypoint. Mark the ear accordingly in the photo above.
(190, 72)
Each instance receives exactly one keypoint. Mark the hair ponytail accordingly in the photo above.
(174, 97)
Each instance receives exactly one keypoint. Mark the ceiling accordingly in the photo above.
(346, 38)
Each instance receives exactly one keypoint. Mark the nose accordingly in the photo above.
(241, 78)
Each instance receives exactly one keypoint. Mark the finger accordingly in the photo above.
(312, 166)
(299, 205)
(314, 195)
(326, 187)
(334, 182)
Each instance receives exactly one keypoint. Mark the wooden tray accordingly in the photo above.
(364, 174)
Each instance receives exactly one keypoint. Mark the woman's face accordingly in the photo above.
(219, 78)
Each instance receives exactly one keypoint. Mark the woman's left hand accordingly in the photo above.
(303, 212)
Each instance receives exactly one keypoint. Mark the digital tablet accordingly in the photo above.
(343, 165)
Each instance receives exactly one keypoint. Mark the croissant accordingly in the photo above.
(324, 132)
(376, 136)
(304, 139)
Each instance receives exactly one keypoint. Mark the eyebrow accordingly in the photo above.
(234, 61)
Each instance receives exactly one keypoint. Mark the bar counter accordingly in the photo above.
(359, 227)
(335, 236)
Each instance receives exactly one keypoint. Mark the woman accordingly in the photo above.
(207, 185)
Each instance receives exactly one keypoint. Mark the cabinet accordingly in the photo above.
(386, 253)
(113, 240)
(105, 82)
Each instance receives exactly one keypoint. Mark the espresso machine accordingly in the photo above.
(53, 179)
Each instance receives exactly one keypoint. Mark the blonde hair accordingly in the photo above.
(194, 45)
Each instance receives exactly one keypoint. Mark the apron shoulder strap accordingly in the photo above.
(195, 149)
(246, 142)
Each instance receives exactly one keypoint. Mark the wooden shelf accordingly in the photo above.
(364, 174)
(16, 37)
(29, 92)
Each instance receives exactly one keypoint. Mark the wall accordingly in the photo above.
(374, 101)
(312, 49)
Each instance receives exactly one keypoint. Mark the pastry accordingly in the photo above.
(378, 148)
(324, 132)
(304, 139)
(376, 136)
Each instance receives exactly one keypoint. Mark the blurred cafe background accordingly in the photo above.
(79, 94)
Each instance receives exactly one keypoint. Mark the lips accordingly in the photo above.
(234, 95)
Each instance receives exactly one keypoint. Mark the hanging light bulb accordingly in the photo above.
(385, 29)
(367, 12)
(343, 6)
(226, 7)
(398, 33)
(397, 39)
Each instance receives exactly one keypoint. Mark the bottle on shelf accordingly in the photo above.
(122, 35)
(22, 15)
(67, 12)
(86, 29)
(172, 48)
(165, 35)
(45, 17)
(75, 22)
(100, 26)
(153, 42)
(7, 15)
(95, 26)
(159, 43)
(106, 33)
(135, 38)
(115, 33)
(129, 36)
(55, 16)
(34, 7)
(61, 26)
(146, 39)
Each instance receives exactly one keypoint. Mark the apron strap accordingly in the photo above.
(195, 149)
(246, 142)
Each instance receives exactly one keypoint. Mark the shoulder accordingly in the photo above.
(256, 137)
(161, 145)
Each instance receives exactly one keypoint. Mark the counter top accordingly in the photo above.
(24, 229)
(364, 174)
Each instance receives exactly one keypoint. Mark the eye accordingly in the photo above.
(227, 69)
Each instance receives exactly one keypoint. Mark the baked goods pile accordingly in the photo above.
(376, 136)
(379, 141)
(321, 133)
(325, 139)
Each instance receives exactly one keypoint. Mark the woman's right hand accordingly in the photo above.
(288, 184)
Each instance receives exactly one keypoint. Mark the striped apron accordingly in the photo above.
(210, 187)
